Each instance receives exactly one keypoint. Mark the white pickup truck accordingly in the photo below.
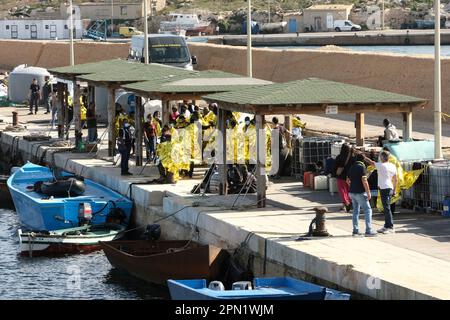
(345, 25)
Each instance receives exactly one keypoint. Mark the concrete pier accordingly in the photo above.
(411, 264)
(350, 38)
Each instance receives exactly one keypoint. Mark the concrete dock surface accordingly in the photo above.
(413, 263)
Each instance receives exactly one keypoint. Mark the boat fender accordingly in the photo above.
(216, 286)
(152, 232)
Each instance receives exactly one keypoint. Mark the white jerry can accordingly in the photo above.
(332, 184)
(320, 183)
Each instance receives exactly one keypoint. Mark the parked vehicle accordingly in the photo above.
(278, 288)
(44, 209)
(182, 21)
(345, 25)
(158, 261)
(166, 49)
(127, 32)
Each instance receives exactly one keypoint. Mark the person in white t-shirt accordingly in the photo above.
(387, 182)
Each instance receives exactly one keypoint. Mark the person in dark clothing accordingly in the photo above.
(281, 131)
(35, 94)
(341, 165)
(47, 90)
(91, 123)
(360, 195)
(124, 143)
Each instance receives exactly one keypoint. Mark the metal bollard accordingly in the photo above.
(15, 118)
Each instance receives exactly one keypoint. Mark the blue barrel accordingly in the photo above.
(446, 204)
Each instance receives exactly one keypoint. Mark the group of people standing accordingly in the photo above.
(352, 179)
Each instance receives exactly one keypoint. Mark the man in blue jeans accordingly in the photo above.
(387, 182)
(360, 195)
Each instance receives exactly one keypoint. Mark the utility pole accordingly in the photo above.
(72, 56)
(112, 17)
(145, 32)
(382, 15)
(269, 10)
(249, 40)
(437, 81)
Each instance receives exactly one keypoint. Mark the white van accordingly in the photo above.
(345, 25)
(166, 49)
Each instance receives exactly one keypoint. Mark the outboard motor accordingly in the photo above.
(152, 232)
(216, 286)
(115, 215)
(242, 285)
(84, 214)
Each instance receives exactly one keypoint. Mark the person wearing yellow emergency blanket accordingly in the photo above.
(171, 156)
(297, 127)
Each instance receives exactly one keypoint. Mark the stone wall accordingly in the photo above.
(410, 75)
(49, 54)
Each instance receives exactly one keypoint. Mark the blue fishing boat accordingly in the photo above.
(278, 288)
(44, 203)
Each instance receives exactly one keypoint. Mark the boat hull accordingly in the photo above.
(282, 288)
(56, 242)
(158, 261)
(38, 212)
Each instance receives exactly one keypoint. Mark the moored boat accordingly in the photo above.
(277, 288)
(83, 239)
(44, 203)
(158, 261)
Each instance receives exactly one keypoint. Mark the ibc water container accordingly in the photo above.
(20, 80)
(320, 183)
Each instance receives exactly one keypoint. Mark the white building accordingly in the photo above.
(56, 27)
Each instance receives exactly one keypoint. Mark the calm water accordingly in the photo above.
(408, 50)
(57, 278)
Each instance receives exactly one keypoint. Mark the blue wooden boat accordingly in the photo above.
(40, 212)
(278, 288)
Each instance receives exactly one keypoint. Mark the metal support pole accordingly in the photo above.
(407, 126)
(222, 145)
(138, 116)
(260, 161)
(437, 81)
(66, 109)
(77, 112)
(249, 40)
(72, 56)
(146, 57)
(111, 122)
(60, 109)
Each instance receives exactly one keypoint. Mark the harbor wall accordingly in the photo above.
(48, 54)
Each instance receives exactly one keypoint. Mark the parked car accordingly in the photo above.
(345, 25)
(127, 32)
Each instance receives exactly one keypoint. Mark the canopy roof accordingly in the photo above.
(313, 96)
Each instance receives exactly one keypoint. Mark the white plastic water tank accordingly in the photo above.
(20, 80)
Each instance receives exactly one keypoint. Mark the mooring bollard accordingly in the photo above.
(15, 118)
